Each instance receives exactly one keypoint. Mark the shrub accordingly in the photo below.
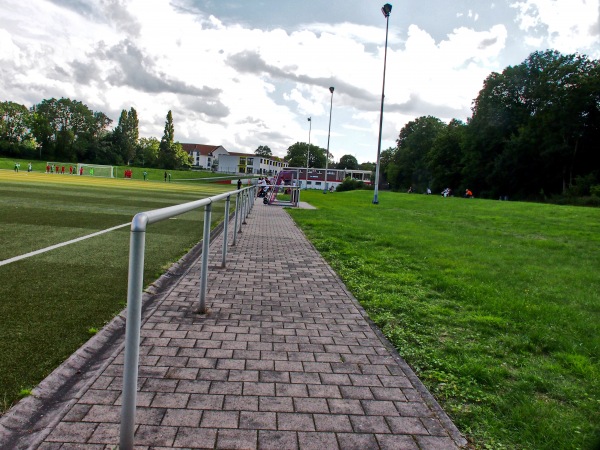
(350, 184)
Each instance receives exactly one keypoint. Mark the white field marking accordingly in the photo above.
(62, 244)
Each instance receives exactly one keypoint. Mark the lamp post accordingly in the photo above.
(308, 151)
(331, 89)
(386, 10)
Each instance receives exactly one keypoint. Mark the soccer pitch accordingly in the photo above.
(50, 303)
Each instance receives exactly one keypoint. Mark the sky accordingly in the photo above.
(245, 73)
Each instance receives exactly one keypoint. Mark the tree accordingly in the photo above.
(66, 128)
(409, 161)
(126, 134)
(263, 150)
(535, 126)
(147, 152)
(368, 166)
(444, 159)
(170, 153)
(166, 151)
(348, 162)
(297, 154)
(15, 136)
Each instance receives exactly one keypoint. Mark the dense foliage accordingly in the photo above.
(534, 132)
(300, 152)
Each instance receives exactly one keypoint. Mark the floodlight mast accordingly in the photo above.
(386, 10)
(308, 151)
(331, 89)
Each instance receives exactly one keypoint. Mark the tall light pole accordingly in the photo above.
(308, 152)
(328, 135)
(386, 10)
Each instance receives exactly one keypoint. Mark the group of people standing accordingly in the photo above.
(55, 168)
(18, 167)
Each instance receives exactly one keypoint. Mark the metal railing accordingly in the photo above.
(244, 202)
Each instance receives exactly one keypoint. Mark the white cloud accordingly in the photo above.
(560, 24)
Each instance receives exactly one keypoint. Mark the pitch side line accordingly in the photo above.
(62, 244)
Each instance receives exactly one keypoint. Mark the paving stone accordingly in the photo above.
(220, 419)
(317, 441)
(258, 420)
(195, 437)
(277, 440)
(155, 435)
(369, 424)
(71, 432)
(105, 433)
(396, 442)
(357, 441)
(182, 418)
(278, 404)
(237, 439)
(295, 422)
(332, 422)
(311, 405)
(406, 425)
(241, 402)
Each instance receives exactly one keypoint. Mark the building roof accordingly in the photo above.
(200, 148)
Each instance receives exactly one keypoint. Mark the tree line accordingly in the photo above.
(534, 133)
(69, 131)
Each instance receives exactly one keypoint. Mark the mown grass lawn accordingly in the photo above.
(51, 303)
(137, 172)
(495, 305)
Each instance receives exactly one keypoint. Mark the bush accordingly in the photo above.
(350, 184)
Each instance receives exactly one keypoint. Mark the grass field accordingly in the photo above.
(51, 303)
(137, 172)
(496, 305)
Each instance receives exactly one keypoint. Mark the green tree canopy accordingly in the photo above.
(126, 134)
(444, 159)
(348, 162)
(15, 136)
(66, 128)
(409, 161)
(263, 150)
(147, 152)
(535, 126)
(170, 153)
(297, 155)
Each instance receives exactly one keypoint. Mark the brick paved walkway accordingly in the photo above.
(284, 359)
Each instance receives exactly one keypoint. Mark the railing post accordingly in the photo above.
(241, 211)
(249, 204)
(245, 207)
(132, 337)
(225, 230)
(205, 250)
(235, 219)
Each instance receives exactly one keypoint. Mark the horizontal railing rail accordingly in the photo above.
(244, 201)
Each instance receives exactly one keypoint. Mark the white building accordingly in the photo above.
(250, 164)
(204, 156)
